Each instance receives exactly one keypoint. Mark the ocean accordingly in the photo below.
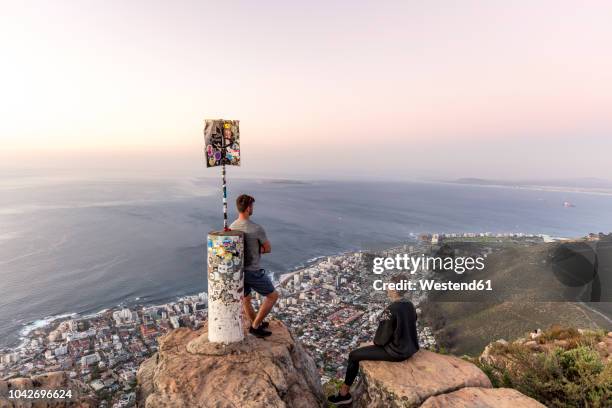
(71, 245)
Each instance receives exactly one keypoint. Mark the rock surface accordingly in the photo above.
(189, 371)
(411, 382)
(472, 397)
(605, 348)
(49, 381)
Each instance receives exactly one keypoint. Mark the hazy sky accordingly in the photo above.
(323, 89)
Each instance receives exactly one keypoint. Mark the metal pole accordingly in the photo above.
(223, 157)
(225, 227)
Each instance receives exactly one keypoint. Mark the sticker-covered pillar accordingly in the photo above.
(225, 286)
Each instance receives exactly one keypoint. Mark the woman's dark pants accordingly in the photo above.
(373, 353)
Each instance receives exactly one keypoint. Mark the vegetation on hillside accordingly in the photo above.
(561, 367)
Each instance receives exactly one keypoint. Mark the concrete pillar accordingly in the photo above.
(225, 286)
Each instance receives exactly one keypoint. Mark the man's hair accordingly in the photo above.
(243, 202)
(398, 279)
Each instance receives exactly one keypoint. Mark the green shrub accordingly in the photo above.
(579, 363)
(559, 333)
(557, 377)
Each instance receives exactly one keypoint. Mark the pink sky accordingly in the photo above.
(389, 89)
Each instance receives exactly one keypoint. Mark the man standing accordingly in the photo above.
(255, 278)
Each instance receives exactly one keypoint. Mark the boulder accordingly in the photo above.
(605, 349)
(488, 354)
(535, 335)
(472, 397)
(145, 377)
(189, 371)
(409, 383)
(50, 381)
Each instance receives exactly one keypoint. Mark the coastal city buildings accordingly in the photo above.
(103, 351)
(333, 308)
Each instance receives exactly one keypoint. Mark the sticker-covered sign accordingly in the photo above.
(222, 142)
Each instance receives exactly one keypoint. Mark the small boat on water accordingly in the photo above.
(567, 204)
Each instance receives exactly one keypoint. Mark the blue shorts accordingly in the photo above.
(258, 281)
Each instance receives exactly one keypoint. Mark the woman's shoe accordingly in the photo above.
(340, 399)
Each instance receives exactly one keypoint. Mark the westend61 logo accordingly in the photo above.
(423, 265)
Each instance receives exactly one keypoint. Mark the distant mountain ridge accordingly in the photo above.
(583, 183)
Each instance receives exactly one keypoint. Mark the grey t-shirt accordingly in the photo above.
(254, 238)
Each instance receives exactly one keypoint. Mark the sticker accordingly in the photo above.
(222, 141)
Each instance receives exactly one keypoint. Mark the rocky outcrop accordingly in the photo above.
(411, 382)
(431, 380)
(49, 381)
(189, 371)
(561, 366)
(496, 353)
(471, 397)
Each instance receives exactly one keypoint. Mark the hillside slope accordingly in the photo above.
(527, 294)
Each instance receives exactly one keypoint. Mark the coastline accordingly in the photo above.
(136, 303)
(329, 302)
(44, 322)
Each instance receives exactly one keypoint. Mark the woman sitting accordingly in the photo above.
(395, 340)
